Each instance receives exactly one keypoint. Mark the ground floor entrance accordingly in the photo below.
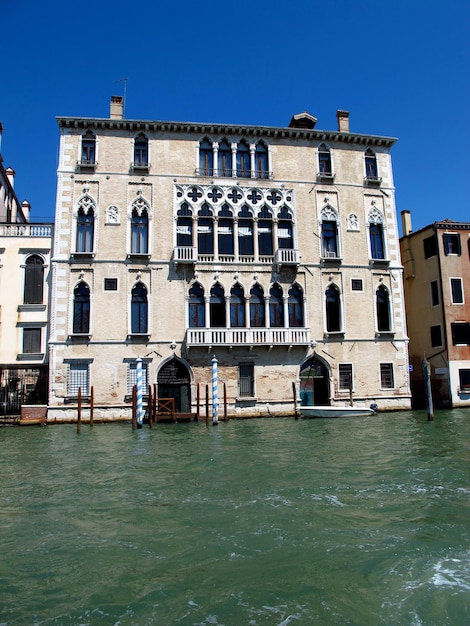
(314, 383)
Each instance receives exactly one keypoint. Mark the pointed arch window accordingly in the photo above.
(224, 159)
(196, 306)
(34, 280)
(237, 306)
(265, 232)
(383, 309)
(206, 158)
(329, 238)
(217, 306)
(243, 160)
(261, 161)
(225, 231)
(205, 230)
(245, 233)
(139, 231)
(88, 155)
(285, 230)
(324, 161)
(370, 161)
(81, 309)
(184, 226)
(333, 309)
(295, 307)
(139, 309)
(257, 310)
(276, 307)
(376, 235)
(141, 151)
(85, 225)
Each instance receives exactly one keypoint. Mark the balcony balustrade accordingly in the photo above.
(248, 337)
(26, 230)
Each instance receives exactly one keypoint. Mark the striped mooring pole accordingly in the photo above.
(138, 367)
(215, 394)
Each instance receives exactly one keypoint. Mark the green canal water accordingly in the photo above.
(359, 521)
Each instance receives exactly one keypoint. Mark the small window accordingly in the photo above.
(434, 293)
(386, 376)
(141, 152)
(345, 377)
(246, 380)
(371, 165)
(460, 333)
(436, 336)
(78, 378)
(88, 149)
(451, 243)
(31, 340)
(464, 380)
(110, 284)
(356, 284)
(430, 246)
(324, 160)
(224, 162)
(132, 377)
(206, 158)
(456, 289)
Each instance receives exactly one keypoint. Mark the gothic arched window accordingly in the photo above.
(141, 151)
(206, 158)
(81, 309)
(295, 307)
(276, 307)
(237, 306)
(257, 311)
(383, 309)
(224, 159)
(34, 280)
(245, 233)
(217, 306)
(243, 160)
(85, 224)
(333, 309)
(225, 231)
(265, 232)
(139, 309)
(196, 307)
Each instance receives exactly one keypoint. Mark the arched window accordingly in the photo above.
(224, 164)
(34, 280)
(383, 309)
(333, 309)
(243, 160)
(261, 161)
(257, 312)
(205, 230)
(139, 231)
(265, 232)
(285, 230)
(225, 231)
(88, 149)
(139, 309)
(217, 306)
(295, 307)
(81, 309)
(276, 307)
(141, 151)
(376, 234)
(196, 307)
(245, 233)
(237, 306)
(184, 226)
(324, 160)
(85, 224)
(206, 158)
(370, 161)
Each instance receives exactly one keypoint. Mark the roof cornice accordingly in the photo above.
(84, 123)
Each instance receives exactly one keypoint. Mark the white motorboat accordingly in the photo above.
(334, 411)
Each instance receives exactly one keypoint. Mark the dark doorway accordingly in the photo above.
(174, 382)
(314, 383)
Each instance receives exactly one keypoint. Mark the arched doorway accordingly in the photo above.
(174, 382)
(314, 383)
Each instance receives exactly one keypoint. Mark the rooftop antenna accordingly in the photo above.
(123, 80)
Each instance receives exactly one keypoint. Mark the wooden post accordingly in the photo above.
(294, 393)
(207, 404)
(427, 389)
(225, 402)
(92, 403)
(150, 406)
(134, 407)
(79, 410)
(198, 401)
(155, 401)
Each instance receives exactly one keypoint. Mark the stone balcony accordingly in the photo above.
(247, 337)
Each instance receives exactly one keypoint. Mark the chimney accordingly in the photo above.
(116, 108)
(10, 172)
(406, 223)
(343, 121)
(26, 208)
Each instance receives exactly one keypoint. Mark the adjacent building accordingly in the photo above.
(436, 262)
(273, 249)
(25, 250)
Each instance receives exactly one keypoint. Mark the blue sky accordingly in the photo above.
(400, 67)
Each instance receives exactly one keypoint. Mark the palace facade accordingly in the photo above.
(273, 249)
